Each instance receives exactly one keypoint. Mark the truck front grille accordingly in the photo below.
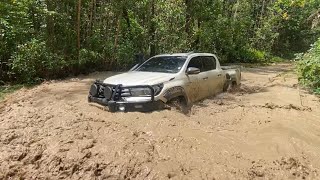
(115, 92)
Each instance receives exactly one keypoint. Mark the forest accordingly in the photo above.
(43, 39)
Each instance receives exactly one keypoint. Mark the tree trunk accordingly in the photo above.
(152, 31)
(188, 27)
(50, 24)
(94, 12)
(262, 13)
(196, 42)
(116, 40)
(236, 11)
(126, 17)
(78, 26)
(91, 17)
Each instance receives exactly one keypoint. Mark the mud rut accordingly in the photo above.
(267, 129)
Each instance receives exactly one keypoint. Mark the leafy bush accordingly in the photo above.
(89, 60)
(308, 67)
(251, 55)
(275, 59)
(33, 62)
(125, 55)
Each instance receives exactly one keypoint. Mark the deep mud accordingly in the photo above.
(267, 129)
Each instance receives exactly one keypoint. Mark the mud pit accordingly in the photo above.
(268, 129)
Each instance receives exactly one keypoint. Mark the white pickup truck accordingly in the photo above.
(185, 77)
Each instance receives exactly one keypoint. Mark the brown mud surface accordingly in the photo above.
(267, 129)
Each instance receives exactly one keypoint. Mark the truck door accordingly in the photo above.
(197, 83)
(215, 75)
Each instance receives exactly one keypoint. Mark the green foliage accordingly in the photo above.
(49, 39)
(251, 55)
(89, 60)
(4, 90)
(125, 55)
(33, 61)
(276, 59)
(295, 26)
(309, 67)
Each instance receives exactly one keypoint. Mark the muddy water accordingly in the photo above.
(268, 129)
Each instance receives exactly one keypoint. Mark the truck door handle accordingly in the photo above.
(206, 78)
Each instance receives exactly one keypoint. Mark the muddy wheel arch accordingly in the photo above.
(176, 92)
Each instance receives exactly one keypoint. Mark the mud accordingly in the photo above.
(267, 129)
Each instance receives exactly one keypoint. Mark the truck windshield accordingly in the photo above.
(163, 64)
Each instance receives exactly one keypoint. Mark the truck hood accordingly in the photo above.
(139, 78)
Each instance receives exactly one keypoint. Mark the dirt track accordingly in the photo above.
(268, 129)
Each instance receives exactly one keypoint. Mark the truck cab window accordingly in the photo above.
(197, 63)
(209, 63)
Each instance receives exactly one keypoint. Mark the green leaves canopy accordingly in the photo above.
(111, 32)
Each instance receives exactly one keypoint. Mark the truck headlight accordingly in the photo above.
(136, 92)
(157, 89)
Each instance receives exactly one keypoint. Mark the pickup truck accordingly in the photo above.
(184, 78)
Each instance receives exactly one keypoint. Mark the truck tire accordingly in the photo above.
(227, 83)
(180, 103)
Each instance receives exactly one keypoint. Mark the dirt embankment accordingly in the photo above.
(268, 129)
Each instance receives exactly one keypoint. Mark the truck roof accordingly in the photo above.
(186, 54)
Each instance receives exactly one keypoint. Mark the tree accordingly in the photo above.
(87, 35)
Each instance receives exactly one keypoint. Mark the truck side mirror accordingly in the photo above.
(193, 70)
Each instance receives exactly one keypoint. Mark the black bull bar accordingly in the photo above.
(112, 97)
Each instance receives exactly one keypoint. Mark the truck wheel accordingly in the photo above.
(227, 84)
(180, 104)
(233, 87)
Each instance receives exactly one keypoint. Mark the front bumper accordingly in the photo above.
(115, 106)
(115, 101)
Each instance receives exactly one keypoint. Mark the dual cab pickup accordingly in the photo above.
(162, 79)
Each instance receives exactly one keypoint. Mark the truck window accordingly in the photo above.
(197, 63)
(209, 63)
(163, 64)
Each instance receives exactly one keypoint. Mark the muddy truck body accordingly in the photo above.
(149, 86)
